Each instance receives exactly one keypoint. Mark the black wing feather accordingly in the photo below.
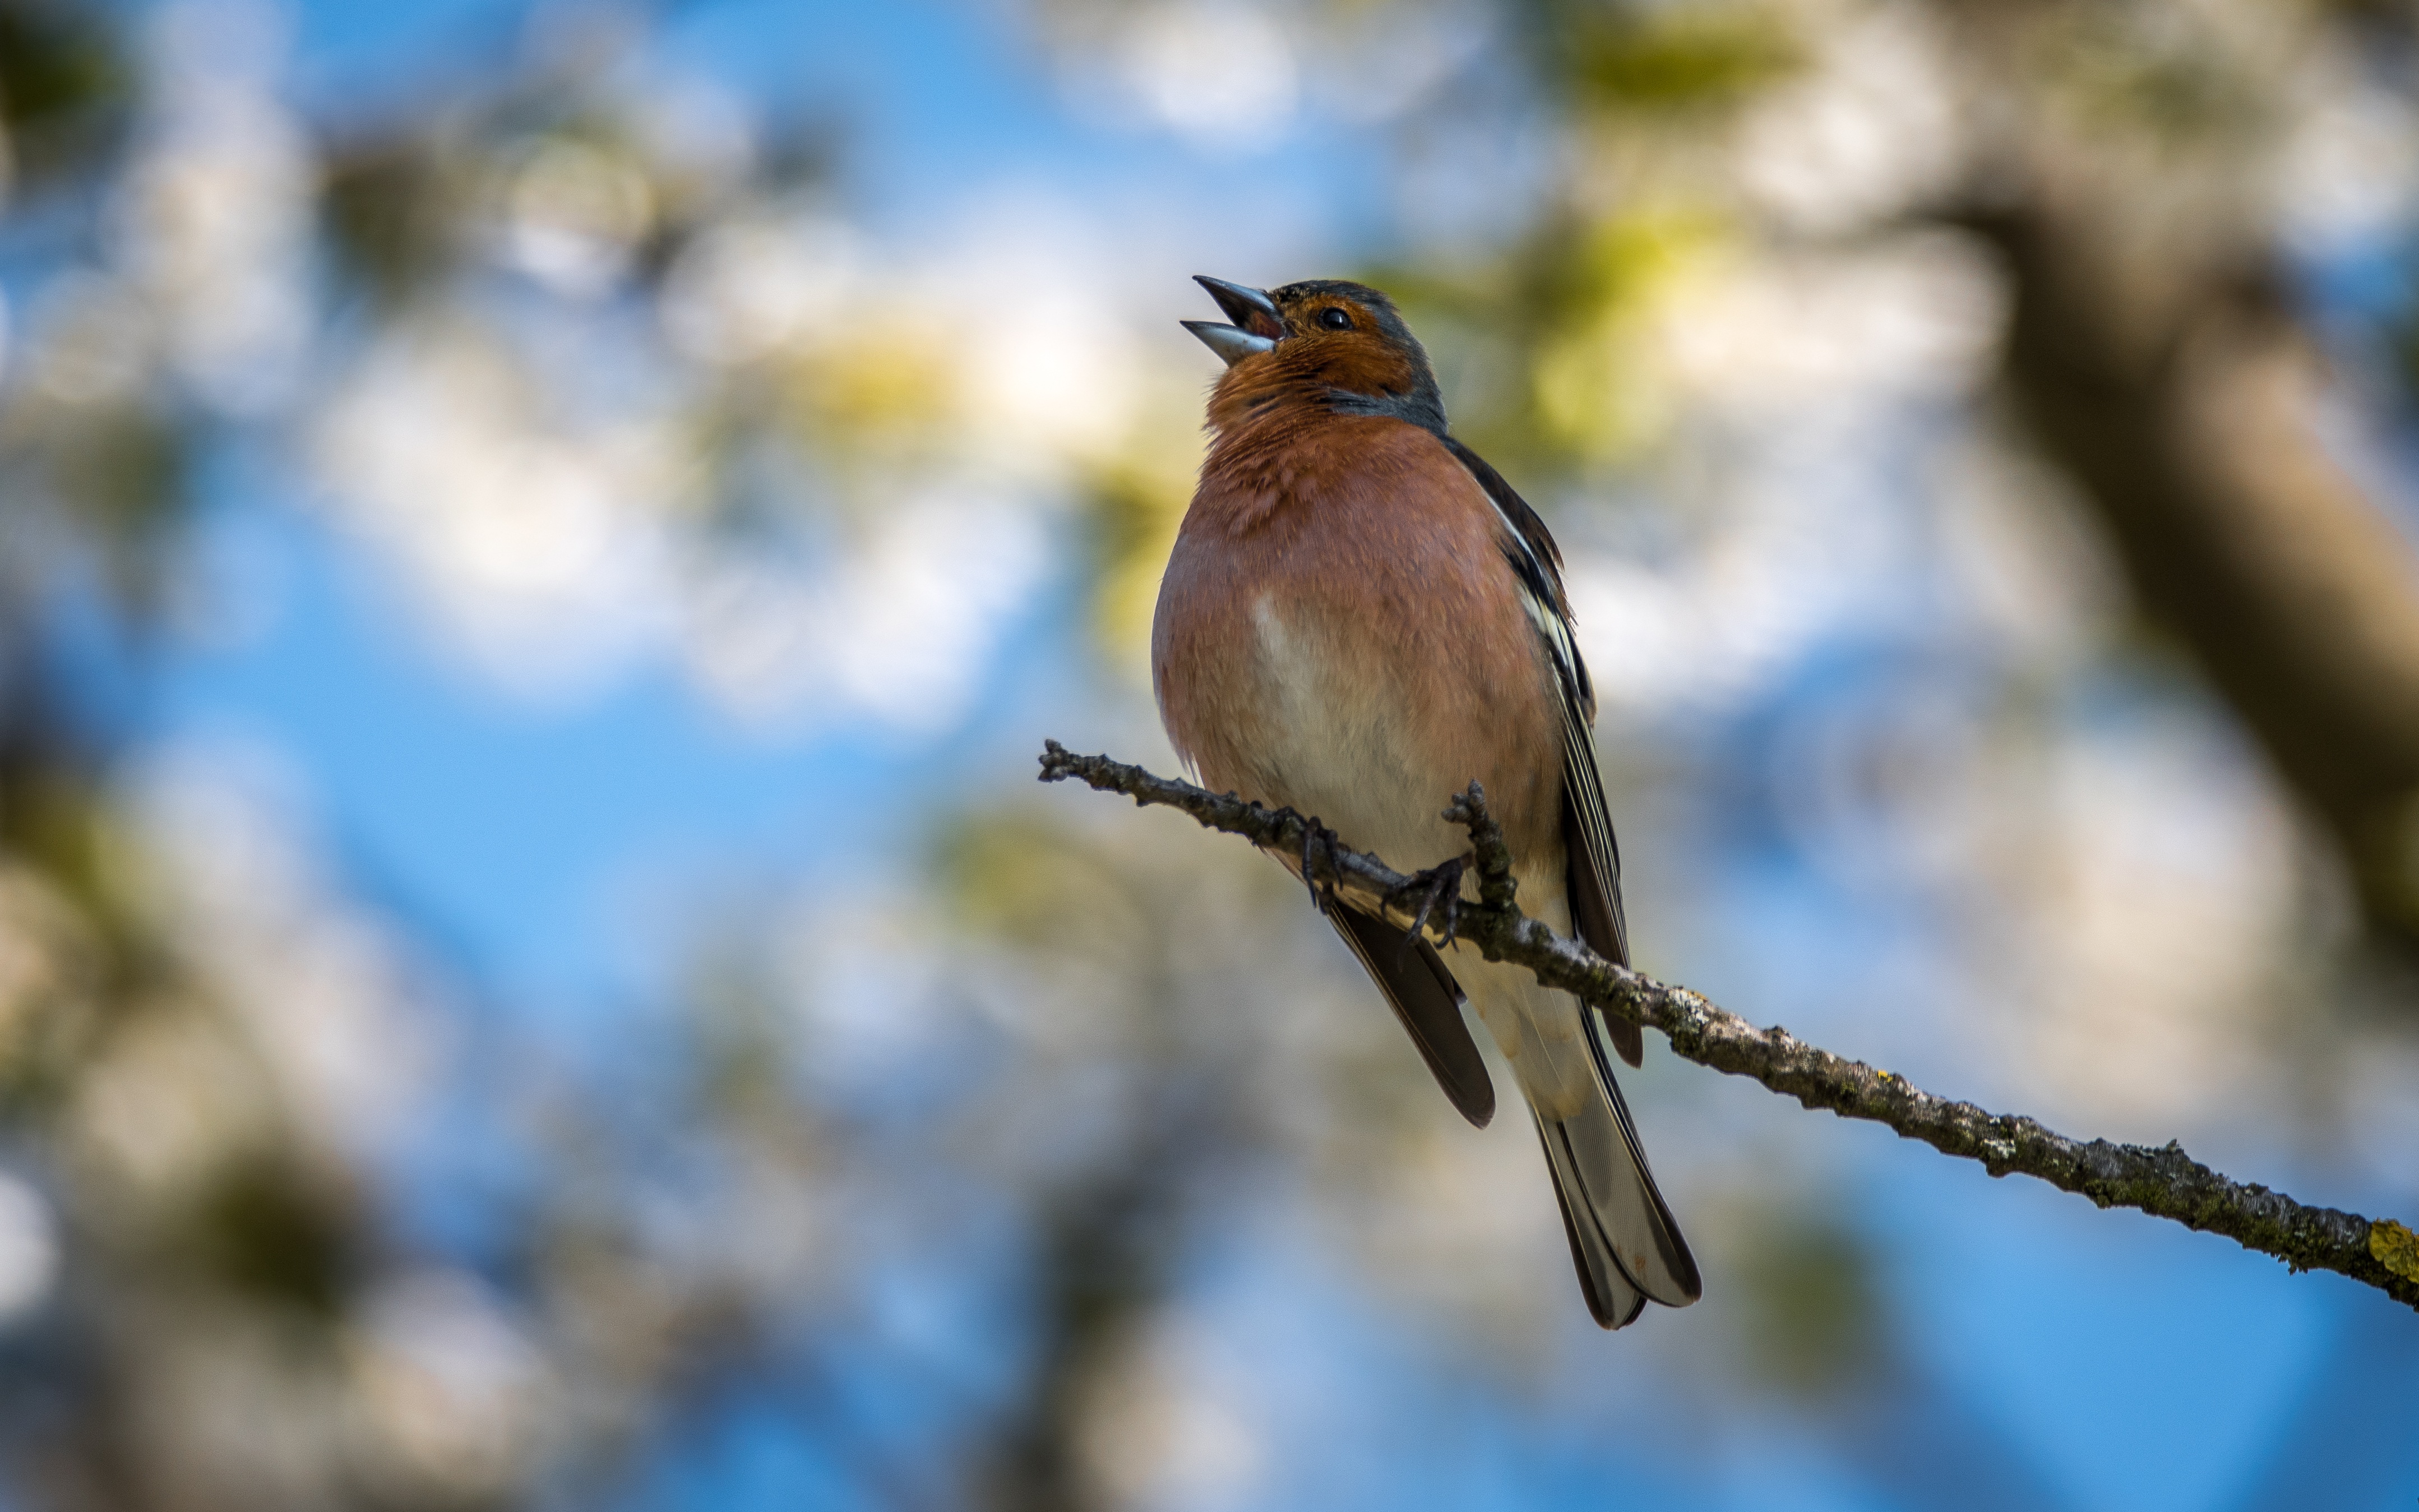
(1594, 854)
(1424, 995)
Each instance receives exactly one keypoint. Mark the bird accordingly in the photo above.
(1359, 618)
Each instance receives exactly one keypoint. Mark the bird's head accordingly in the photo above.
(1326, 342)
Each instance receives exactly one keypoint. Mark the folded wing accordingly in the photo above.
(1593, 857)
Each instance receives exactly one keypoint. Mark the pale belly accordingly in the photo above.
(1343, 749)
(1346, 756)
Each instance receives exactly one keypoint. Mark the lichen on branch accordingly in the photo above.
(2165, 1181)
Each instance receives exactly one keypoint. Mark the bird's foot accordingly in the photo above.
(1439, 884)
(1318, 838)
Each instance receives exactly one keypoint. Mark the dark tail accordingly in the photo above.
(1623, 1239)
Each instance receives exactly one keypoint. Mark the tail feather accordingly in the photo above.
(1615, 1187)
(1624, 1243)
(1611, 1298)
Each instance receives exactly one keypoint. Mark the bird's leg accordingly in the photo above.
(1440, 883)
(1316, 838)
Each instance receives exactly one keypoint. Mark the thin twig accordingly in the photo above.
(2165, 1183)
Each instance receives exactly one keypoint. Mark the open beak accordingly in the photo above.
(1256, 326)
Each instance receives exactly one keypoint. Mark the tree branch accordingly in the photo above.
(2164, 1182)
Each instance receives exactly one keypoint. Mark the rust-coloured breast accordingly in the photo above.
(1360, 545)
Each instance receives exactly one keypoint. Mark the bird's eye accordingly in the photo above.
(1336, 318)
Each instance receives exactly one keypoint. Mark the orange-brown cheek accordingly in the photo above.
(1369, 368)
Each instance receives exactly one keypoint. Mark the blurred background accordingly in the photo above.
(539, 543)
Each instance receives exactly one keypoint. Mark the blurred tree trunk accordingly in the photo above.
(2155, 354)
(1100, 1276)
(2190, 423)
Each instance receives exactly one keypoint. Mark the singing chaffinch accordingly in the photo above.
(1359, 618)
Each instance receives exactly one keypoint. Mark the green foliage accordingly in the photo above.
(125, 470)
(1132, 509)
(2125, 71)
(1017, 875)
(391, 209)
(272, 1232)
(63, 81)
(1678, 59)
(1811, 1316)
